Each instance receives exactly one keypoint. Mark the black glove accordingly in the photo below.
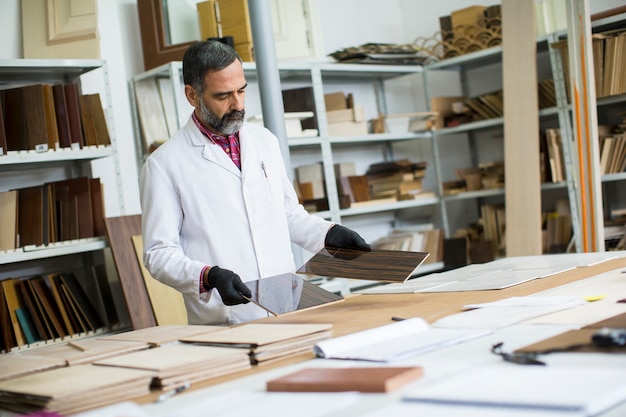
(229, 285)
(342, 237)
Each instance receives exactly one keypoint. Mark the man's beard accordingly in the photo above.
(228, 124)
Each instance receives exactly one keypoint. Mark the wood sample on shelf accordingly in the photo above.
(301, 100)
(50, 310)
(74, 197)
(52, 131)
(104, 303)
(9, 289)
(151, 114)
(62, 117)
(53, 281)
(25, 117)
(83, 306)
(31, 216)
(89, 126)
(377, 265)
(8, 220)
(71, 91)
(33, 326)
(6, 325)
(94, 120)
(361, 379)
(3, 136)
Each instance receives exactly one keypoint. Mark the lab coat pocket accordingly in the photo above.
(272, 185)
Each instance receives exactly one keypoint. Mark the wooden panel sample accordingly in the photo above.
(521, 127)
(3, 136)
(30, 216)
(80, 299)
(120, 231)
(286, 293)
(377, 265)
(50, 117)
(8, 220)
(99, 119)
(9, 289)
(168, 304)
(25, 117)
(63, 121)
(73, 114)
(74, 197)
(361, 379)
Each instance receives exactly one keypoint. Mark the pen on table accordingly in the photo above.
(171, 393)
(394, 318)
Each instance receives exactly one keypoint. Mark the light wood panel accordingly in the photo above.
(521, 129)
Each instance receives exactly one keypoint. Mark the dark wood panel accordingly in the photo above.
(120, 231)
(377, 265)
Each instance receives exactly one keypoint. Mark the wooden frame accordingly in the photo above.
(151, 24)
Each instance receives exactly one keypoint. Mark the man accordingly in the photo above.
(217, 205)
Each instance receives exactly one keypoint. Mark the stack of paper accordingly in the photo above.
(163, 334)
(266, 342)
(86, 350)
(178, 364)
(393, 341)
(74, 388)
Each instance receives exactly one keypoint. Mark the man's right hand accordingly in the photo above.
(229, 285)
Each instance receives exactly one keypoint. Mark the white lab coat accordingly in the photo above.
(199, 209)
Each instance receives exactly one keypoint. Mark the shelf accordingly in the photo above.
(27, 158)
(607, 101)
(397, 205)
(482, 124)
(55, 249)
(621, 176)
(378, 137)
(492, 192)
(45, 70)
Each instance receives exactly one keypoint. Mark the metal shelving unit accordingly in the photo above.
(34, 167)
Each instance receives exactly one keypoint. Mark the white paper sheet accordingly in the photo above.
(392, 342)
(590, 391)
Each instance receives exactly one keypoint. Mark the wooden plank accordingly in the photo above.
(521, 129)
(120, 231)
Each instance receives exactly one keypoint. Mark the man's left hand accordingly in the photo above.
(342, 237)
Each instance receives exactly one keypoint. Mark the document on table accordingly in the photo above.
(551, 388)
(497, 317)
(393, 341)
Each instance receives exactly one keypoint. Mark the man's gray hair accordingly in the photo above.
(203, 57)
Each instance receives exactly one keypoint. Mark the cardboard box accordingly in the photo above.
(467, 21)
(347, 128)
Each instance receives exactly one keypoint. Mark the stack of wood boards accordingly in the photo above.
(72, 389)
(265, 342)
(175, 365)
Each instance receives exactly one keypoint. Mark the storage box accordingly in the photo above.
(343, 117)
(467, 21)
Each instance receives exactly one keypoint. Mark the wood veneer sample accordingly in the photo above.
(362, 379)
(120, 231)
(377, 265)
(168, 304)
